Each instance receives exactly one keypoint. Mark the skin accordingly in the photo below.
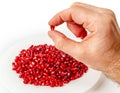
(100, 49)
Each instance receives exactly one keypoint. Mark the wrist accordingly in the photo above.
(113, 70)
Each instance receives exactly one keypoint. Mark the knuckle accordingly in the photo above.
(75, 4)
(108, 18)
(110, 21)
(109, 13)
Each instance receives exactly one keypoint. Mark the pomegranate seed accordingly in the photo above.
(52, 28)
(44, 65)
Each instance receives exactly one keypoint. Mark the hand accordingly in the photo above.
(100, 49)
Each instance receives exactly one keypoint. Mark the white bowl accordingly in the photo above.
(11, 80)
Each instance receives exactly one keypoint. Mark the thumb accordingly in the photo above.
(67, 45)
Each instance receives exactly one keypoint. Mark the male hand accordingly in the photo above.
(100, 49)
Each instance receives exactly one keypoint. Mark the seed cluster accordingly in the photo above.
(44, 65)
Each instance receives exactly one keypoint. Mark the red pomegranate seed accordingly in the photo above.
(52, 28)
(44, 65)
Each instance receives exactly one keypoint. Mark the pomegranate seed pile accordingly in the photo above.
(44, 65)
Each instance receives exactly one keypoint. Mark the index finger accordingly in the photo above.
(81, 15)
(61, 17)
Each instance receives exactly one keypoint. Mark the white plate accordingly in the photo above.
(10, 79)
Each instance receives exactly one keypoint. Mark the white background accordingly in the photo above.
(22, 18)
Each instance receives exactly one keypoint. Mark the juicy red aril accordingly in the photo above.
(52, 28)
(44, 65)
